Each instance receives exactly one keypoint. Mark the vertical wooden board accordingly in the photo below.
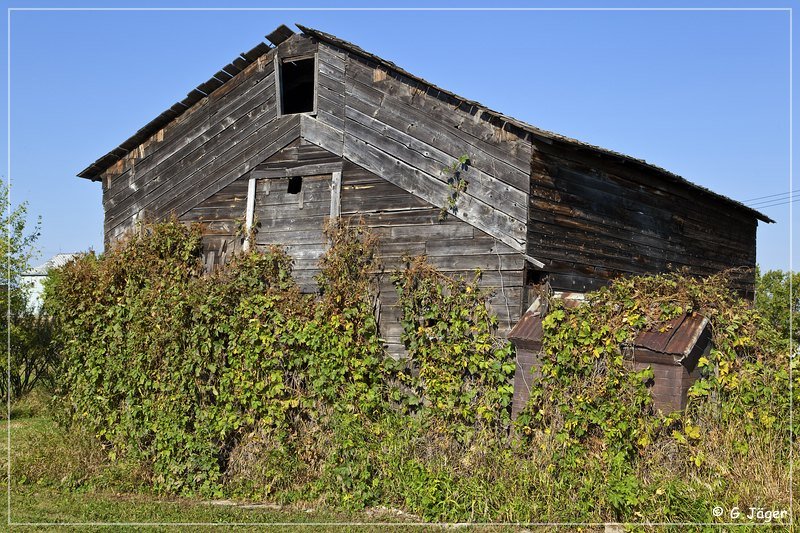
(336, 194)
(330, 87)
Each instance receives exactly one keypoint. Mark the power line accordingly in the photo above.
(770, 196)
(780, 203)
(772, 200)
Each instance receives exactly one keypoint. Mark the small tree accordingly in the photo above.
(778, 298)
(29, 335)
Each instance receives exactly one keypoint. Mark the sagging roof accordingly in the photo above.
(496, 118)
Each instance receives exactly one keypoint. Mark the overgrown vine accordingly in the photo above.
(456, 184)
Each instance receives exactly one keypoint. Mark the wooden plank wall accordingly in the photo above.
(221, 216)
(588, 226)
(295, 222)
(408, 136)
(396, 137)
(591, 225)
(297, 156)
(408, 225)
(210, 145)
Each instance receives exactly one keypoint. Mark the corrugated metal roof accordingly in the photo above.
(57, 261)
(677, 337)
(529, 328)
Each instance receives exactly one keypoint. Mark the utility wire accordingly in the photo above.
(780, 203)
(770, 196)
(769, 202)
(773, 200)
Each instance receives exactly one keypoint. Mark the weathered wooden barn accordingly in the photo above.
(312, 127)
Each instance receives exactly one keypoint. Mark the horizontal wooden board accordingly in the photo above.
(436, 163)
(592, 220)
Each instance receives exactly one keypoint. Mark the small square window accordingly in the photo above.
(297, 85)
(295, 185)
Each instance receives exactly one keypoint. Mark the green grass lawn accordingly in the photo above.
(55, 482)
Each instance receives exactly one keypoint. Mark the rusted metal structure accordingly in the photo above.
(672, 351)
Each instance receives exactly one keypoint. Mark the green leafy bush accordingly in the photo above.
(458, 367)
(172, 368)
(31, 354)
(777, 299)
(593, 410)
(235, 384)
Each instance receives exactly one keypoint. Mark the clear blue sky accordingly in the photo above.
(704, 94)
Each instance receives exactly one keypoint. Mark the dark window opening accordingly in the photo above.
(536, 284)
(297, 86)
(295, 185)
(534, 276)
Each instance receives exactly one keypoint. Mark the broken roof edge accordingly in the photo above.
(223, 75)
(545, 135)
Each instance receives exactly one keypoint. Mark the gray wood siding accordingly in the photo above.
(585, 214)
(408, 225)
(215, 142)
(294, 222)
(591, 221)
(221, 216)
(330, 87)
(397, 131)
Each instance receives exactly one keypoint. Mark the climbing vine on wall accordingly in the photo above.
(463, 370)
(456, 184)
(594, 407)
(170, 368)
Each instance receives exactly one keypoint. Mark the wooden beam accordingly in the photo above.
(305, 170)
(336, 194)
(248, 217)
(278, 99)
(279, 34)
(535, 262)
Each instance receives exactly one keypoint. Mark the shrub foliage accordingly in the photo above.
(30, 354)
(596, 410)
(456, 361)
(172, 368)
(235, 383)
